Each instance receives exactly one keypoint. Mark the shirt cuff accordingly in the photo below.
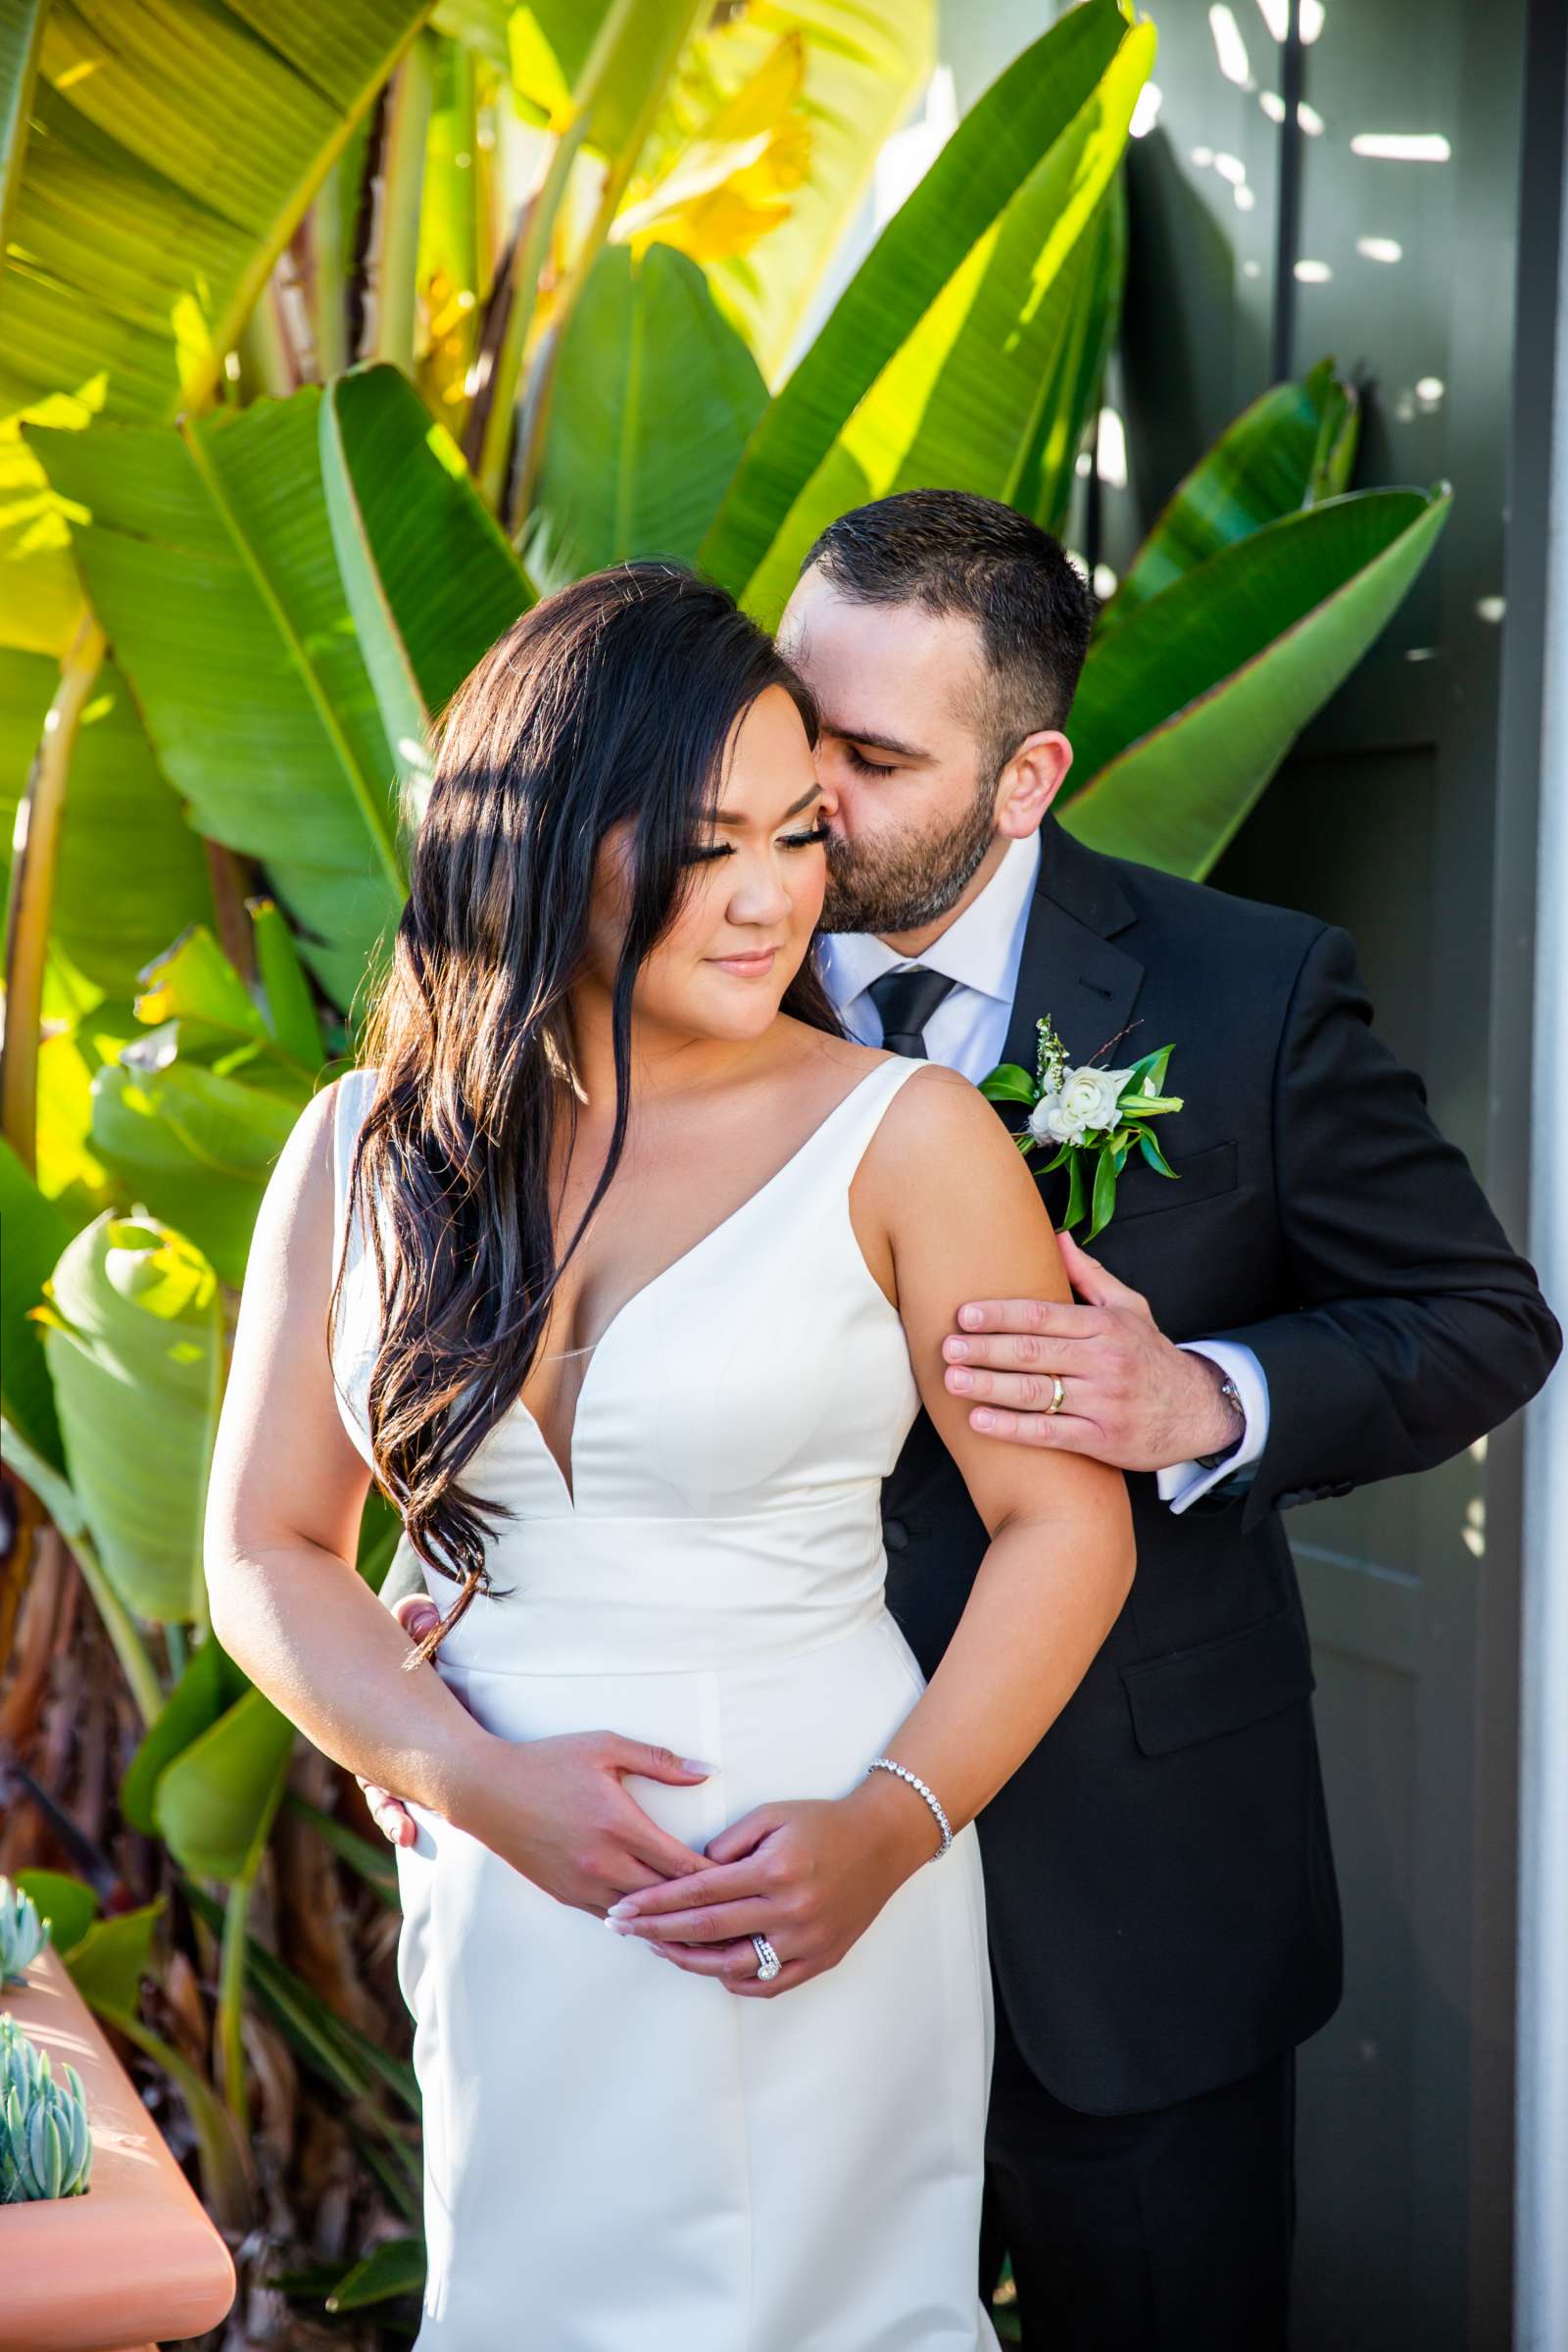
(1183, 1482)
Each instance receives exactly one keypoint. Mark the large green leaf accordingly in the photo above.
(196, 1145)
(133, 1338)
(1293, 447)
(654, 396)
(611, 105)
(432, 580)
(109, 1958)
(1185, 711)
(209, 558)
(68, 1906)
(994, 151)
(214, 1802)
(36, 1234)
(121, 818)
(177, 144)
(209, 1686)
(158, 155)
(860, 66)
(1070, 389)
(963, 402)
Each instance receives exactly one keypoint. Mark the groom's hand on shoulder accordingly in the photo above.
(1129, 1396)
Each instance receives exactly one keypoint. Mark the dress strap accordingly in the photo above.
(350, 1102)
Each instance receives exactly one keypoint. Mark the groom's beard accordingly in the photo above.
(910, 881)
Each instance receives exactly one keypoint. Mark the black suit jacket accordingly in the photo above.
(1160, 1892)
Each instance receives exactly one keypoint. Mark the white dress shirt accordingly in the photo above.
(981, 951)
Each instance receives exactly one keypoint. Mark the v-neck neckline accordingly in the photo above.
(567, 1475)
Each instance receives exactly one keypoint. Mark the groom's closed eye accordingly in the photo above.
(858, 742)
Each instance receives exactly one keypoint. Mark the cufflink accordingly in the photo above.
(1232, 1395)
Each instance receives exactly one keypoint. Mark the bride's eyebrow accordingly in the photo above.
(732, 816)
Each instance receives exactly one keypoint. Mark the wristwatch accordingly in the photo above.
(1232, 1395)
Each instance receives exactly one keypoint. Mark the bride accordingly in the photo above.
(625, 1274)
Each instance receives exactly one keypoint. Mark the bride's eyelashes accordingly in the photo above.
(787, 841)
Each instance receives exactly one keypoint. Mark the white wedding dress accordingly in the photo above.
(620, 2156)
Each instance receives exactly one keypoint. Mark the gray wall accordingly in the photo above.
(1387, 819)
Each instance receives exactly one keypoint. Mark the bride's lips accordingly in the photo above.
(751, 966)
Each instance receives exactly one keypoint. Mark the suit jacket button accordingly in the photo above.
(895, 1534)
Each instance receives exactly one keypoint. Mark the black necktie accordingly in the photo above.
(906, 1002)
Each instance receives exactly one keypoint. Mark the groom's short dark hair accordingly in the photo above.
(954, 552)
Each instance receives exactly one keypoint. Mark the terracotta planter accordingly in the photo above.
(132, 2262)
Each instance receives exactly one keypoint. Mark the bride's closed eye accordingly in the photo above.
(789, 840)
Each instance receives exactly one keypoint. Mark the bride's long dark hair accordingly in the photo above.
(615, 698)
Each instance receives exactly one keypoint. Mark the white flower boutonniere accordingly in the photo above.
(1091, 1115)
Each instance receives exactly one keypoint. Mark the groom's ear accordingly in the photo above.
(1031, 781)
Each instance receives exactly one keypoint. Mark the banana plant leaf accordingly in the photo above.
(773, 129)
(70, 1905)
(132, 1332)
(430, 578)
(209, 1686)
(1071, 387)
(110, 1956)
(994, 151)
(451, 266)
(287, 1006)
(157, 159)
(120, 819)
(1294, 447)
(654, 395)
(1184, 713)
(37, 1234)
(193, 1134)
(209, 558)
(173, 151)
(961, 403)
(214, 1803)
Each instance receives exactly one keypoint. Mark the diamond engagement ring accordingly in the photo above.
(770, 1963)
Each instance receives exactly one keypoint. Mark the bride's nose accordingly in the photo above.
(760, 895)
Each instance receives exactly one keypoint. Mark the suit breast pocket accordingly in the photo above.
(1141, 1191)
(1220, 1686)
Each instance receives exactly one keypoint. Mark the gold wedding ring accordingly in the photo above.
(1058, 1394)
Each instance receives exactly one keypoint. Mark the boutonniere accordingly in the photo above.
(1095, 1117)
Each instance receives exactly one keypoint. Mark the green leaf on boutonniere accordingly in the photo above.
(1152, 1065)
(1008, 1082)
(1156, 1156)
(1105, 1207)
(1075, 1186)
(1148, 1107)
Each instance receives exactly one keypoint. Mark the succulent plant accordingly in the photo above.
(22, 1934)
(45, 2141)
(21, 2062)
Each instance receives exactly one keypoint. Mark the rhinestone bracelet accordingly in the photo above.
(886, 1764)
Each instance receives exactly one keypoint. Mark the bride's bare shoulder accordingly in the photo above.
(939, 1137)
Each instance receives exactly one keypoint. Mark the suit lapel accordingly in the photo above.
(1073, 970)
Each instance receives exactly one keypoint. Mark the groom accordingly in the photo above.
(1323, 1298)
